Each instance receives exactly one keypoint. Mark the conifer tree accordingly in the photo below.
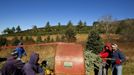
(15, 41)
(80, 26)
(3, 41)
(57, 38)
(94, 42)
(93, 47)
(48, 39)
(18, 29)
(39, 39)
(70, 33)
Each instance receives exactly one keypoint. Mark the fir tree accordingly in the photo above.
(94, 42)
(18, 29)
(63, 38)
(57, 38)
(70, 35)
(93, 47)
(48, 38)
(80, 26)
(13, 29)
(39, 39)
(52, 40)
(3, 41)
(15, 41)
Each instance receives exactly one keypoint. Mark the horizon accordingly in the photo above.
(27, 13)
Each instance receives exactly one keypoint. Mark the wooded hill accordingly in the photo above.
(48, 29)
(115, 27)
(124, 28)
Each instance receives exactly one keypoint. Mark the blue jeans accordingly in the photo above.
(103, 70)
(117, 70)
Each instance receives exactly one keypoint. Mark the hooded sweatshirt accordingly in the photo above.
(12, 67)
(106, 53)
(32, 67)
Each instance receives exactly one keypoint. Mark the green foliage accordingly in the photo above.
(123, 27)
(35, 30)
(58, 28)
(15, 41)
(47, 25)
(34, 27)
(48, 28)
(70, 32)
(3, 41)
(85, 24)
(58, 39)
(93, 47)
(70, 35)
(91, 59)
(98, 26)
(39, 39)
(18, 29)
(80, 26)
(21, 38)
(8, 31)
(29, 39)
(118, 30)
(94, 42)
(45, 40)
(48, 39)
(70, 24)
(52, 40)
(26, 38)
(63, 38)
(13, 29)
(126, 29)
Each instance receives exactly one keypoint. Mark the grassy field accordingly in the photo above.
(47, 52)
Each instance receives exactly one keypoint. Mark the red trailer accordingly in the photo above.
(69, 59)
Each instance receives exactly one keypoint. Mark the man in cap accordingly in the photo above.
(20, 51)
(119, 58)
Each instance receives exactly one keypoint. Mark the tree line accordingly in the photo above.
(81, 27)
(12, 30)
(124, 28)
(67, 33)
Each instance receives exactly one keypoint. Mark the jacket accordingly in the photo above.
(106, 52)
(12, 67)
(117, 55)
(20, 52)
(32, 67)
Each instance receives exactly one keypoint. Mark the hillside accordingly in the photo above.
(49, 30)
(121, 30)
(47, 52)
(115, 27)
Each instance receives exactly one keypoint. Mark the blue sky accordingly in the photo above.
(27, 13)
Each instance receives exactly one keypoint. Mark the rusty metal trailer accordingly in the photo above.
(69, 59)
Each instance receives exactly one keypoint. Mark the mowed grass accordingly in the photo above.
(48, 52)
